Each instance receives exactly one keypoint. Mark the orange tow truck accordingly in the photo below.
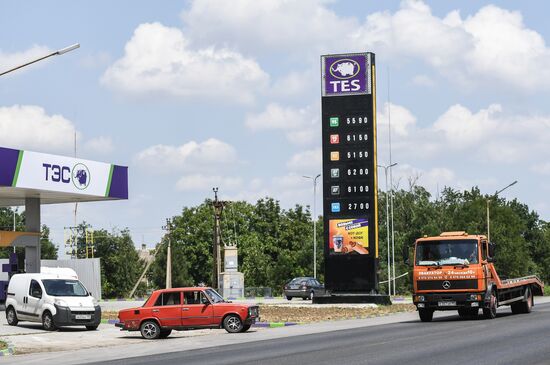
(455, 271)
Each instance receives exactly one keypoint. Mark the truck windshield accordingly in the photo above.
(447, 252)
(64, 288)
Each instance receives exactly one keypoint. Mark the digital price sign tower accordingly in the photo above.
(350, 210)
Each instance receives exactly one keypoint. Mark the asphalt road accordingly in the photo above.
(509, 339)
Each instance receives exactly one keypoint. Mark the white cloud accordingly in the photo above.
(270, 25)
(306, 161)
(423, 80)
(10, 60)
(101, 144)
(478, 48)
(433, 179)
(296, 84)
(301, 125)
(209, 155)
(95, 60)
(463, 136)
(160, 60)
(500, 36)
(462, 128)
(199, 182)
(30, 127)
(401, 118)
(541, 168)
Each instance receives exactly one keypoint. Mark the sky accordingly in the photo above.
(192, 95)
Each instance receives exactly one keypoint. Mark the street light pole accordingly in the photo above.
(488, 201)
(314, 222)
(56, 53)
(388, 224)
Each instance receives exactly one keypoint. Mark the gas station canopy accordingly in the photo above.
(32, 179)
(58, 179)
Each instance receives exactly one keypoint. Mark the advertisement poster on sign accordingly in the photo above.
(349, 236)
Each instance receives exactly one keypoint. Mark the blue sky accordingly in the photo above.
(196, 94)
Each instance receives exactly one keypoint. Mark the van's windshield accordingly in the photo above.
(64, 288)
(447, 252)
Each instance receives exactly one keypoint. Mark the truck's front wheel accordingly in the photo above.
(491, 311)
(426, 315)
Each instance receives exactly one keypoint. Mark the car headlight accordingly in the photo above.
(61, 303)
(95, 302)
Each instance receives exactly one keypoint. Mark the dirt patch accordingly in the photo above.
(3, 345)
(276, 313)
(272, 313)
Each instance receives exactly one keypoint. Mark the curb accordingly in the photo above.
(274, 324)
(9, 351)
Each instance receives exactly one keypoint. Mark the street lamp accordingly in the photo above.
(56, 53)
(388, 222)
(488, 201)
(314, 222)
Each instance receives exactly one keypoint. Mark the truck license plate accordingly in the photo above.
(83, 316)
(446, 304)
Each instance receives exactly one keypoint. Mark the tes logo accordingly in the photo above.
(343, 70)
(79, 174)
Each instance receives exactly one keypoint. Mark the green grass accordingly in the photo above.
(3, 345)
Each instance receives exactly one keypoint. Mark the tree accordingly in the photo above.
(120, 263)
(276, 244)
(48, 251)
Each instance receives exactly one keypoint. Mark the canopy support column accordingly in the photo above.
(32, 224)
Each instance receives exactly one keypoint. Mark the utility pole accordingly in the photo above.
(168, 228)
(218, 209)
(489, 201)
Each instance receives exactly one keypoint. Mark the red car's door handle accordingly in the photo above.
(155, 310)
(185, 309)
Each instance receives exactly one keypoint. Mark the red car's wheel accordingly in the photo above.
(232, 323)
(150, 330)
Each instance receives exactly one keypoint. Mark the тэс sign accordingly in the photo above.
(349, 172)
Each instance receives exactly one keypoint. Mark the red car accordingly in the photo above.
(186, 309)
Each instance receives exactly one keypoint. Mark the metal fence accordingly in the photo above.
(88, 271)
(251, 292)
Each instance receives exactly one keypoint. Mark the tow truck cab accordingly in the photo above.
(455, 271)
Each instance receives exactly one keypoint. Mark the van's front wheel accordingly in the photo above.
(11, 317)
(47, 322)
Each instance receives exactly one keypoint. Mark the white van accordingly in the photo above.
(54, 300)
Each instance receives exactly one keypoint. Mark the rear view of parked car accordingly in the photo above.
(303, 287)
